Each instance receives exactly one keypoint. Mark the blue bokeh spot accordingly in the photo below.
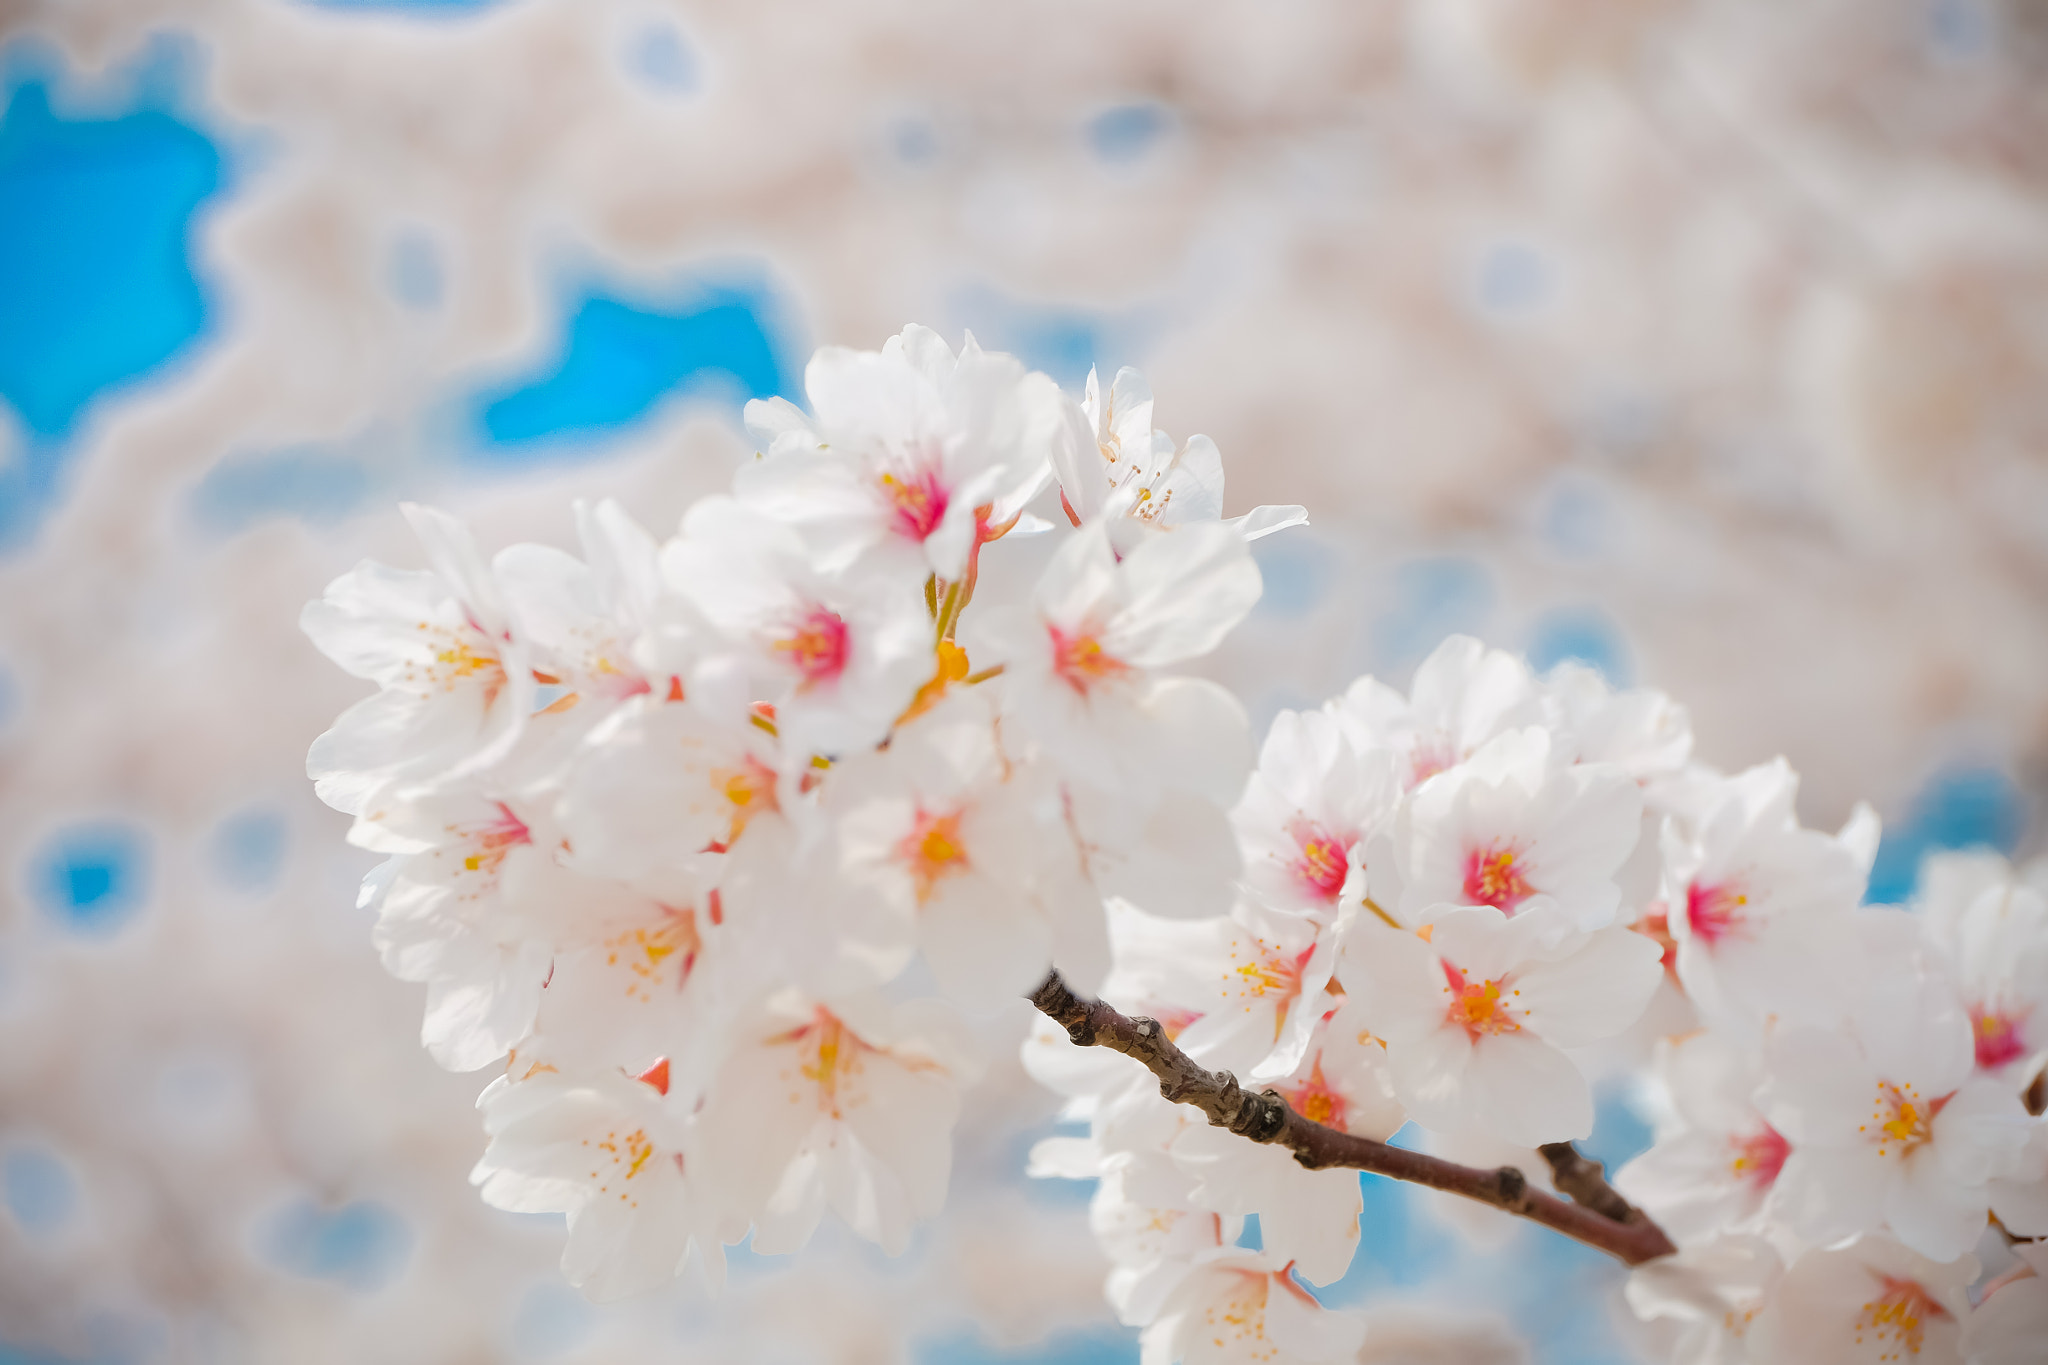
(1583, 634)
(1297, 569)
(1435, 597)
(92, 876)
(1960, 807)
(1126, 132)
(96, 279)
(662, 60)
(620, 359)
(249, 849)
(552, 1319)
(319, 487)
(1513, 277)
(41, 1191)
(360, 1246)
(415, 272)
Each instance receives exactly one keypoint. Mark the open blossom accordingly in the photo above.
(910, 455)
(1078, 661)
(847, 1104)
(1716, 1169)
(1513, 830)
(1752, 898)
(454, 669)
(1889, 1124)
(839, 656)
(1462, 696)
(1263, 993)
(1111, 464)
(947, 845)
(613, 1154)
(1642, 732)
(473, 902)
(1475, 1016)
(662, 790)
(1307, 813)
(603, 628)
(1993, 930)
(1237, 1307)
(1308, 1218)
(1868, 1302)
(1711, 1294)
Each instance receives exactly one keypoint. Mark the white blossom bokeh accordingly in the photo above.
(1701, 342)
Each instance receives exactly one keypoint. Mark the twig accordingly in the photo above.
(1266, 1117)
(1585, 1182)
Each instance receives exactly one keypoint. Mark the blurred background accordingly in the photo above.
(1706, 342)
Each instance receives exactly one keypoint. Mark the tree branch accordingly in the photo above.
(1600, 1218)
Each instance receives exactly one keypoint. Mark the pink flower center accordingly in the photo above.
(919, 502)
(1494, 876)
(1269, 970)
(817, 647)
(1477, 1006)
(1325, 859)
(1895, 1318)
(1998, 1037)
(1081, 662)
(491, 841)
(1428, 759)
(932, 851)
(1714, 911)
(1759, 1156)
(1901, 1120)
(1315, 1101)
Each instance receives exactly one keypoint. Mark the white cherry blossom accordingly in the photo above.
(840, 655)
(910, 457)
(1711, 1295)
(1237, 1307)
(1512, 829)
(847, 1104)
(1078, 660)
(1307, 813)
(1993, 930)
(1716, 1167)
(1475, 1016)
(1872, 1302)
(454, 668)
(1112, 464)
(609, 1151)
(2010, 1322)
(1463, 695)
(1889, 1124)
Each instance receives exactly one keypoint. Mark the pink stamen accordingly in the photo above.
(1759, 1156)
(1325, 859)
(919, 502)
(1714, 912)
(817, 646)
(1494, 876)
(1081, 662)
(1999, 1039)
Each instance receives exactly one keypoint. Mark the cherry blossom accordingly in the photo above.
(610, 1152)
(1475, 1016)
(454, 669)
(1993, 929)
(1462, 696)
(847, 1104)
(1511, 830)
(1711, 1294)
(1241, 1308)
(1750, 896)
(1111, 463)
(1077, 662)
(1716, 1167)
(1868, 1302)
(1888, 1124)
(911, 456)
(1307, 813)
(2011, 1321)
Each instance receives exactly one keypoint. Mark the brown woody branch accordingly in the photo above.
(1597, 1215)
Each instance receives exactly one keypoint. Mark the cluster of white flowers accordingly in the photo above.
(709, 839)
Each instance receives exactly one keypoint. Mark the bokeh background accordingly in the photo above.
(1706, 342)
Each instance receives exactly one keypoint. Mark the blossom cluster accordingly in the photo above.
(709, 842)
